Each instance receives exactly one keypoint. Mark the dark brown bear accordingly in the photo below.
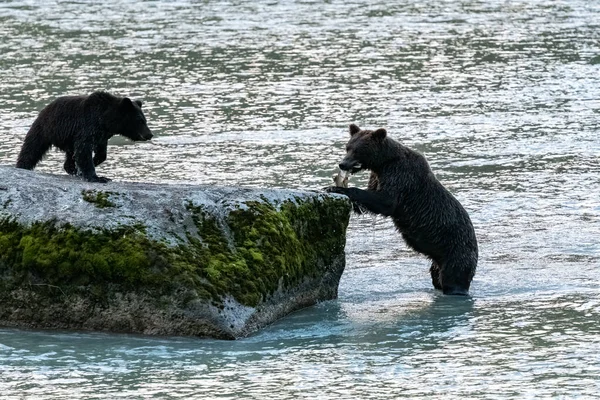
(80, 126)
(403, 187)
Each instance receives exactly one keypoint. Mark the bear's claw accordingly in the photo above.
(98, 179)
(334, 189)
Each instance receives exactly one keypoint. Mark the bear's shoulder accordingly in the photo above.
(101, 97)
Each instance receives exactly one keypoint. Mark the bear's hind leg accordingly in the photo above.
(435, 275)
(455, 279)
(34, 147)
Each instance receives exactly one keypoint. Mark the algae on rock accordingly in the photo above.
(163, 259)
(98, 197)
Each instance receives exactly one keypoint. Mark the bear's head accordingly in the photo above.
(365, 149)
(131, 121)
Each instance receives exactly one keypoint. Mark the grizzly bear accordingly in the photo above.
(403, 187)
(80, 126)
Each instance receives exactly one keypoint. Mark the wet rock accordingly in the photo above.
(163, 259)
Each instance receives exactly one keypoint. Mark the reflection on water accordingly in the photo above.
(503, 99)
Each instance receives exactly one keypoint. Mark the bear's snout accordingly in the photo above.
(350, 165)
(344, 166)
(146, 135)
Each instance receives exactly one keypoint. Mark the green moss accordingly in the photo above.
(248, 254)
(65, 255)
(99, 198)
(270, 246)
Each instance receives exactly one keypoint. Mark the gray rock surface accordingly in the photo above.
(163, 259)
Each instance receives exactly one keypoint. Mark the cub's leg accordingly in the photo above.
(69, 164)
(100, 153)
(85, 163)
(34, 147)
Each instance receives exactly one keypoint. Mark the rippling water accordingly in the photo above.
(503, 97)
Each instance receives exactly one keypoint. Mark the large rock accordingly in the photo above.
(163, 259)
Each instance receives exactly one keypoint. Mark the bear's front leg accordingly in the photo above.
(375, 202)
(100, 153)
(69, 164)
(85, 164)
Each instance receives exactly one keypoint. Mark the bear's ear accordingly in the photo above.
(379, 133)
(139, 103)
(126, 101)
(354, 129)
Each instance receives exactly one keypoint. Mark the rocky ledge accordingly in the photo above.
(216, 262)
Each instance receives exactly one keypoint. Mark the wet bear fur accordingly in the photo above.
(81, 126)
(403, 187)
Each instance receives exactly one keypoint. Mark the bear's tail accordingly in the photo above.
(34, 147)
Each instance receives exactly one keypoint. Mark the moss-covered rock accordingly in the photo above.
(98, 197)
(163, 259)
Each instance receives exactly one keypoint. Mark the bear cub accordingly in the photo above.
(81, 126)
(403, 187)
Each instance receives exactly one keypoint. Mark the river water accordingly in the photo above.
(502, 97)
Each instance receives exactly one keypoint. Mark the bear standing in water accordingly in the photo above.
(430, 219)
(80, 126)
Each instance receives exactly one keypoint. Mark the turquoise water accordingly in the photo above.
(503, 98)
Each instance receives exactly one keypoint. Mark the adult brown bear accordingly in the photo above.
(403, 187)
